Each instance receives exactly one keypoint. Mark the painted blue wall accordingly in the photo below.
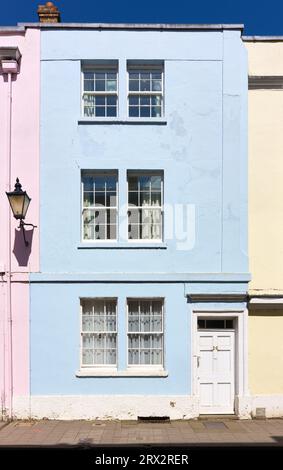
(200, 145)
(55, 332)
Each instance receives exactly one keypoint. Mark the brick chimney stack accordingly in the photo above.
(48, 13)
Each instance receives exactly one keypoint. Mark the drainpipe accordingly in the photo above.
(9, 392)
(9, 67)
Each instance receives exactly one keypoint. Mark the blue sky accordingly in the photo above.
(259, 17)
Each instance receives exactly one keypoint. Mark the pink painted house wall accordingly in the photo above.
(14, 359)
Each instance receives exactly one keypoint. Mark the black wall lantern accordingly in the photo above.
(19, 202)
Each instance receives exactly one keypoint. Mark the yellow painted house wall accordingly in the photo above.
(266, 218)
(266, 171)
(266, 352)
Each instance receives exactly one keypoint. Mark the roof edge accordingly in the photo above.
(134, 26)
(262, 38)
(12, 29)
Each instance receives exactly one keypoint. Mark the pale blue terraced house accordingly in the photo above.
(139, 308)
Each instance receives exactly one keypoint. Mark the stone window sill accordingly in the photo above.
(148, 121)
(122, 246)
(123, 373)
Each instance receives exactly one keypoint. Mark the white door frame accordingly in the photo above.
(241, 347)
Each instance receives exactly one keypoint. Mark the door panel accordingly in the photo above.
(224, 363)
(216, 371)
(223, 341)
(224, 393)
(206, 341)
(206, 364)
(206, 393)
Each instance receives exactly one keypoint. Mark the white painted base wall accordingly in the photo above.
(246, 407)
(129, 407)
(273, 405)
(104, 407)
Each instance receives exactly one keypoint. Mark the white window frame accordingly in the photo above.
(145, 68)
(147, 173)
(97, 366)
(100, 68)
(116, 208)
(161, 366)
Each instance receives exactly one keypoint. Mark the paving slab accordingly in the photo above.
(86, 433)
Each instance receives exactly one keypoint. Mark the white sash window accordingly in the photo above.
(99, 205)
(145, 206)
(145, 94)
(98, 332)
(145, 332)
(100, 92)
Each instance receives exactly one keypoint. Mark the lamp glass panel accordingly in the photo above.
(26, 205)
(17, 203)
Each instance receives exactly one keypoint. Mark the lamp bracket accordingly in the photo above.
(22, 226)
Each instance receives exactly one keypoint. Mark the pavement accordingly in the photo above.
(210, 432)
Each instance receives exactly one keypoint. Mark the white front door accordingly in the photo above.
(216, 371)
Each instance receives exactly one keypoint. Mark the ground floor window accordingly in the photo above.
(99, 332)
(145, 332)
(142, 337)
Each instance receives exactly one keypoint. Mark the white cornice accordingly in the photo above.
(266, 82)
(267, 302)
(225, 297)
(262, 38)
(134, 26)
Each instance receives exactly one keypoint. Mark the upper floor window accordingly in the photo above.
(100, 91)
(99, 205)
(145, 205)
(145, 94)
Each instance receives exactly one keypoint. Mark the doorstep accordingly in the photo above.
(217, 417)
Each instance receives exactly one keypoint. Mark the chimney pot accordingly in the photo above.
(48, 13)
